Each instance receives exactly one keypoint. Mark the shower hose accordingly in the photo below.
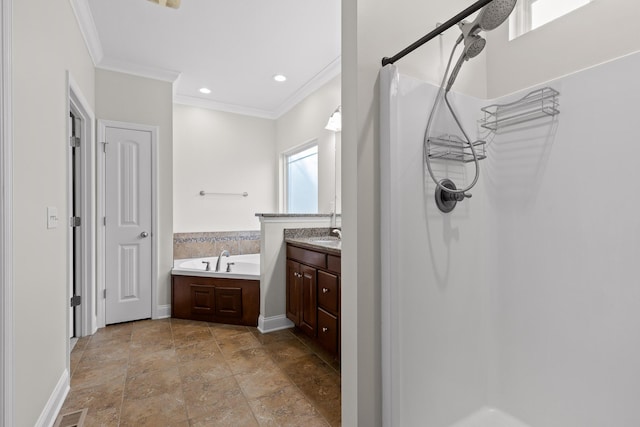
(455, 117)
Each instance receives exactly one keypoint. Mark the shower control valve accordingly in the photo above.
(446, 200)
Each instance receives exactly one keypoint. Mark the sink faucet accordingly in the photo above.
(224, 253)
(337, 232)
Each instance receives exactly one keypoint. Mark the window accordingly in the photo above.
(531, 14)
(301, 178)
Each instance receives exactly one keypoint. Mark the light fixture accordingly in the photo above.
(335, 121)
(205, 90)
(280, 78)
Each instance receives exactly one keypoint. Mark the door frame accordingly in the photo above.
(101, 250)
(6, 223)
(78, 104)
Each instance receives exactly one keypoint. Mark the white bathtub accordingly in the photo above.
(244, 267)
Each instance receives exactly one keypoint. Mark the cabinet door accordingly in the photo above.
(294, 291)
(202, 302)
(309, 314)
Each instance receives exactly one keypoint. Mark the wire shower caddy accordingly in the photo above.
(535, 105)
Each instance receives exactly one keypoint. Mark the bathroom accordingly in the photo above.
(577, 41)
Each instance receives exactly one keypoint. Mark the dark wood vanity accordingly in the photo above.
(313, 293)
(213, 299)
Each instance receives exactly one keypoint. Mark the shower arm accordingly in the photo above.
(439, 30)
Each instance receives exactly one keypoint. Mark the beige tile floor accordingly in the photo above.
(181, 373)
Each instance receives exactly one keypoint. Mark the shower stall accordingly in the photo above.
(521, 306)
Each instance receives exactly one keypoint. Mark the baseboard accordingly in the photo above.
(53, 406)
(163, 312)
(273, 323)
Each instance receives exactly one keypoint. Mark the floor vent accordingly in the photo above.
(72, 419)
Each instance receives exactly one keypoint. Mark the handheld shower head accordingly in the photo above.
(473, 45)
(489, 18)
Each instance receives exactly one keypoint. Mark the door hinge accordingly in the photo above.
(76, 300)
(74, 141)
(104, 221)
(104, 146)
(75, 221)
(104, 293)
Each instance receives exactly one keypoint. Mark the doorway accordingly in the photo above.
(81, 208)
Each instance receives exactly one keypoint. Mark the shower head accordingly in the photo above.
(473, 45)
(489, 18)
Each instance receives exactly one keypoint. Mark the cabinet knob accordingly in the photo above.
(325, 329)
(325, 290)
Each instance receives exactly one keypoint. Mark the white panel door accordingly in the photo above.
(128, 224)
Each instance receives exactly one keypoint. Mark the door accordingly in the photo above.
(128, 224)
(76, 222)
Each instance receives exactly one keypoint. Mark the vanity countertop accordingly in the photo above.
(331, 245)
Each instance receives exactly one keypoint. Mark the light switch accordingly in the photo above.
(52, 217)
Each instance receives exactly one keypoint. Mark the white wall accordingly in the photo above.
(223, 152)
(564, 284)
(127, 98)
(595, 33)
(305, 122)
(46, 43)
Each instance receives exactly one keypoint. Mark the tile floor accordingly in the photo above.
(182, 373)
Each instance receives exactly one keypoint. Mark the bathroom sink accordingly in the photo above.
(325, 241)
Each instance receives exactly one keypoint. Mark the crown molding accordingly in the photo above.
(87, 25)
(194, 101)
(138, 70)
(323, 77)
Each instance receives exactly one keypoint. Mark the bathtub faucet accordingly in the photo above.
(224, 253)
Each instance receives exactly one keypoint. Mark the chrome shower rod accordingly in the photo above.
(439, 30)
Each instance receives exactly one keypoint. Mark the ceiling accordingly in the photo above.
(233, 47)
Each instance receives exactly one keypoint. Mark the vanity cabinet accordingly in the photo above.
(217, 300)
(313, 294)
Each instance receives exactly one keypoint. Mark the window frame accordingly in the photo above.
(521, 20)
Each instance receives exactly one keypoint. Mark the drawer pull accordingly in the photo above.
(325, 329)
(325, 290)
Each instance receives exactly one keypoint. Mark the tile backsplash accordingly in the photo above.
(208, 244)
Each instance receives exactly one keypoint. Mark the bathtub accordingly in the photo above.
(245, 267)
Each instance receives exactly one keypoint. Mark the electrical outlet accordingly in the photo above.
(52, 217)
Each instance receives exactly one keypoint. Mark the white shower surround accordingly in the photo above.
(523, 298)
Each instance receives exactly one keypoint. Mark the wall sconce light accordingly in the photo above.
(335, 121)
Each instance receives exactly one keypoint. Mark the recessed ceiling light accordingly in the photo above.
(205, 90)
(279, 78)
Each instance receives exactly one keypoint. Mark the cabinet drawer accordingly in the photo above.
(306, 256)
(328, 331)
(328, 292)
